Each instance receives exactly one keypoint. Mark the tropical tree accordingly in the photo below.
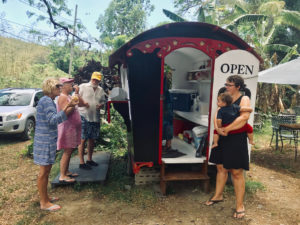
(124, 17)
(54, 9)
(266, 25)
(60, 57)
(198, 10)
(257, 24)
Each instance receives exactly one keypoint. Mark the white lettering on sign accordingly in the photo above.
(237, 68)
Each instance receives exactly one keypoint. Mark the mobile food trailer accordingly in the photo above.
(200, 57)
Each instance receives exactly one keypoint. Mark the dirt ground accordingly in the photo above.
(278, 203)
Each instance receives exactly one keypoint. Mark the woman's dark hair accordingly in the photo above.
(247, 92)
(238, 81)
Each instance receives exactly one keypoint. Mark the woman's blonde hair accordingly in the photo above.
(49, 84)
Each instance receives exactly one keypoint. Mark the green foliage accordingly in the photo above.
(251, 187)
(24, 64)
(116, 42)
(60, 57)
(113, 136)
(173, 16)
(124, 17)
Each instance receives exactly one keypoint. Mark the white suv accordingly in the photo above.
(18, 110)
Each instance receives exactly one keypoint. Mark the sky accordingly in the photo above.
(14, 13)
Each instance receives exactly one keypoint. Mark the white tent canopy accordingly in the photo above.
(286, 73)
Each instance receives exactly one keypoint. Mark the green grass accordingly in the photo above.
(262, 137)
(251, 187)
(24, 64)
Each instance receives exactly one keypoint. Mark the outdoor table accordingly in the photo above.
(294, 127)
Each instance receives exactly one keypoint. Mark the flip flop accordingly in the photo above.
(54, 199)
(236, 213)
(67, 181)
(52, 208)
(212, 202)
(72, 175)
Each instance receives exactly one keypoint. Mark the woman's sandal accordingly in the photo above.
(72, 175)
(54, 199)
(52, 208)
(241, 213)
(212, 202)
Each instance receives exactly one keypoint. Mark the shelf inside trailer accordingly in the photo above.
(199, 81)
(199, 70)
(186, 148)
(194, 117)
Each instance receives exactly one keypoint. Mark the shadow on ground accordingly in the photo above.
(282, 162)
(10, 139)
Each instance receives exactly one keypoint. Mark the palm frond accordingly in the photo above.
(278, 48)
(291, 18)
(239, 9)
(268, 37)
(249, 18)
(173, 16)
(246, 19)
(293, 51)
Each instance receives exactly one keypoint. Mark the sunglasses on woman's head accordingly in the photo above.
(228, 85)
(58, 86)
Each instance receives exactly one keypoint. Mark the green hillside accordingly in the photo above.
(24, 64)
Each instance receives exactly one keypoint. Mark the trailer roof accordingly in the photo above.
(182, 29)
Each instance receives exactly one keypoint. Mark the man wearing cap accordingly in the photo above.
(93, 98)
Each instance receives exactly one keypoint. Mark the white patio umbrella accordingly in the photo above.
(286, 73)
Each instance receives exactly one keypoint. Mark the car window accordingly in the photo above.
(37, 97)
(15, 99)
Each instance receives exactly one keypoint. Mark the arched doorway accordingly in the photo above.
(187, 85)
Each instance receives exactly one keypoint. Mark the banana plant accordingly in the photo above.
(207, 12)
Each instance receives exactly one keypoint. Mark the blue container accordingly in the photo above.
(182, 99)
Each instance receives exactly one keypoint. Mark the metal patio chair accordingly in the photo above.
(284, 132)
(275, 130)
(257, 120)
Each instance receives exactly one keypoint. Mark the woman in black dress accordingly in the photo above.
(231, 155)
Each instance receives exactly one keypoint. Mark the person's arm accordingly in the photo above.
(240, 121)
(62, 102)
(82, 103)
(52, 116)
(246, 109)
(219, 122)
(217, 125)
(78, 92)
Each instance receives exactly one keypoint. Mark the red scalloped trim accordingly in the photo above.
(167, 45)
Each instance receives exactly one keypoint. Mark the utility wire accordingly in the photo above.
(9, 21)
(45, 11)
(16, 36)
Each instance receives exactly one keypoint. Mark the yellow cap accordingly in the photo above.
(96, 75)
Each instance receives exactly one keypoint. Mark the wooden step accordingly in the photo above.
(184, 175)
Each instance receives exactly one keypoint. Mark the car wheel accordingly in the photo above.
(29, 128)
